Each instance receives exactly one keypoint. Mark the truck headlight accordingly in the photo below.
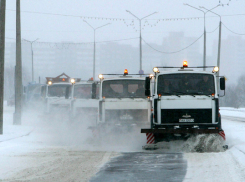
(100, 76)
(50, 82)
(216, 69)
(156, 70)
(72, 80)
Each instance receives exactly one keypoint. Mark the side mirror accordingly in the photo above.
(222, 83)
(147, 86)
(67, 92)
(94, 91)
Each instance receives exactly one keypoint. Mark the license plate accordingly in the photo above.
(186, 120)
(126, 117)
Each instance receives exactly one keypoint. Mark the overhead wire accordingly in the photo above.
(173, 52)
(81, 42)
(122, 19)
(168, 19)
(67, 15)
(67, 45)
(231, 30)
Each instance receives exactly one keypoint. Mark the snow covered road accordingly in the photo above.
(57, 152)
(222, 166)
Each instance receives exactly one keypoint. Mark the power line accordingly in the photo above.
(231, 30)
(122, 19)
(91, 42)
(76, 16)
(105, 18)
(82, 42)
(173, 51)
(45, 13)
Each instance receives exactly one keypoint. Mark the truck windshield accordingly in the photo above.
(123, 88)
(185, 84)
(57, 90)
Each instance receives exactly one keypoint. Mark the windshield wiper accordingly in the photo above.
(179, 93)
(201, 93)
(169, 93)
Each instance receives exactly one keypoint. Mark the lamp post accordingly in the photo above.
(204, 34)
(18, 70)
(31, 42)
(140, 34)
(94, 44)
(2, 51)
(219, 44)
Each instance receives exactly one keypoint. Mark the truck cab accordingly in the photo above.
(85, 99)
(54, 93)
(122, 101)
(185, 102)
(54, 97)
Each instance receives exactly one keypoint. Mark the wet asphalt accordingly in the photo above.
(143, 166)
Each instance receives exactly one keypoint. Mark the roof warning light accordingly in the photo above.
(185, 64)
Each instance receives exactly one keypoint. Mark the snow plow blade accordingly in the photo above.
(195, 139)
(181, 131)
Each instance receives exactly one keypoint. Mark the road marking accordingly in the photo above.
(105, 159)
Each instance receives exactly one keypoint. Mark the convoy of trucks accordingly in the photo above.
(173, 104)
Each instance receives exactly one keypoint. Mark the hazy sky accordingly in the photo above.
(52, 28)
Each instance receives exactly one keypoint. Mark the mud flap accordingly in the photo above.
(150, 139)
(222, 134)
(150, 142)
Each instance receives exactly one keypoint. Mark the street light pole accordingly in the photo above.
(2, 51)
(140, 42)
(94, 44)
(219, 44)
(204, 34)
(31, 42)
(18, 69)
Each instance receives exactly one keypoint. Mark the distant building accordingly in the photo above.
(76, 59)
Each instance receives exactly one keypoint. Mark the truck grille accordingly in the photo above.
(126, 115)
(174, 115)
